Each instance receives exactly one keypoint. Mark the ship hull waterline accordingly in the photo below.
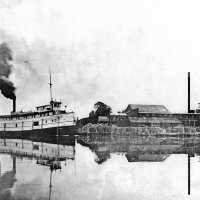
(52, 131)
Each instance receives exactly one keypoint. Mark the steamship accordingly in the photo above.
(49, 119)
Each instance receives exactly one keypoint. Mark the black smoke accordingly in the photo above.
(6, 86)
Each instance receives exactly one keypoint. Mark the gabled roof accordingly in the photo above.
(142, 108)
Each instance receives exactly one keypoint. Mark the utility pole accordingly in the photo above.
(189, 127)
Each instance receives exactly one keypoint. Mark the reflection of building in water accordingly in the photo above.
(38, 150)
(147, 157)
(7, 179)
(135, 149)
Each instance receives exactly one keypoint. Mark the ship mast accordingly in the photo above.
(50, 84)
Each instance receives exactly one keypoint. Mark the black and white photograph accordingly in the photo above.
(99, 100)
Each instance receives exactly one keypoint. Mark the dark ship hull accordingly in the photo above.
(47, 132)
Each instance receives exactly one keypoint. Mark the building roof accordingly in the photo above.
(142, 108)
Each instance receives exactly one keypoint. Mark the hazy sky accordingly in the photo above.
(119, 52)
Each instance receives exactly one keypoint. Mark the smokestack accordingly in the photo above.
(14, 104)
(188, 92)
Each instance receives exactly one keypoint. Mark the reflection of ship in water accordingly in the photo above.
(45, 153)
(7, 179)
(139, 149)
(53, 166)
(38, 150)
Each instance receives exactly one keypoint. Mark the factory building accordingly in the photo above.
(157, 115)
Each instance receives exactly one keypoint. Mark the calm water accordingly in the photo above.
(99, 168)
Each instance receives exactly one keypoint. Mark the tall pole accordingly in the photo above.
(188, 174)
(50, 184)
(189, 119)
(188, 92)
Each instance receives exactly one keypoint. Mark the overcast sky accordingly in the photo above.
(119, 52)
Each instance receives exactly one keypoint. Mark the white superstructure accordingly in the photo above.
(46, 116)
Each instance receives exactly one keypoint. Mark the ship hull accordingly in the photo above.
(53, 131)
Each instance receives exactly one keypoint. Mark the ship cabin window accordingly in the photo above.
(36, 123)
(35, 147)
(15, 125)
(56, 104)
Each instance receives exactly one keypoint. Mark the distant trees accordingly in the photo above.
(92, 114)
(100, 109)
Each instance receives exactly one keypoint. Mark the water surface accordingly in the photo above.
(99, 168)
